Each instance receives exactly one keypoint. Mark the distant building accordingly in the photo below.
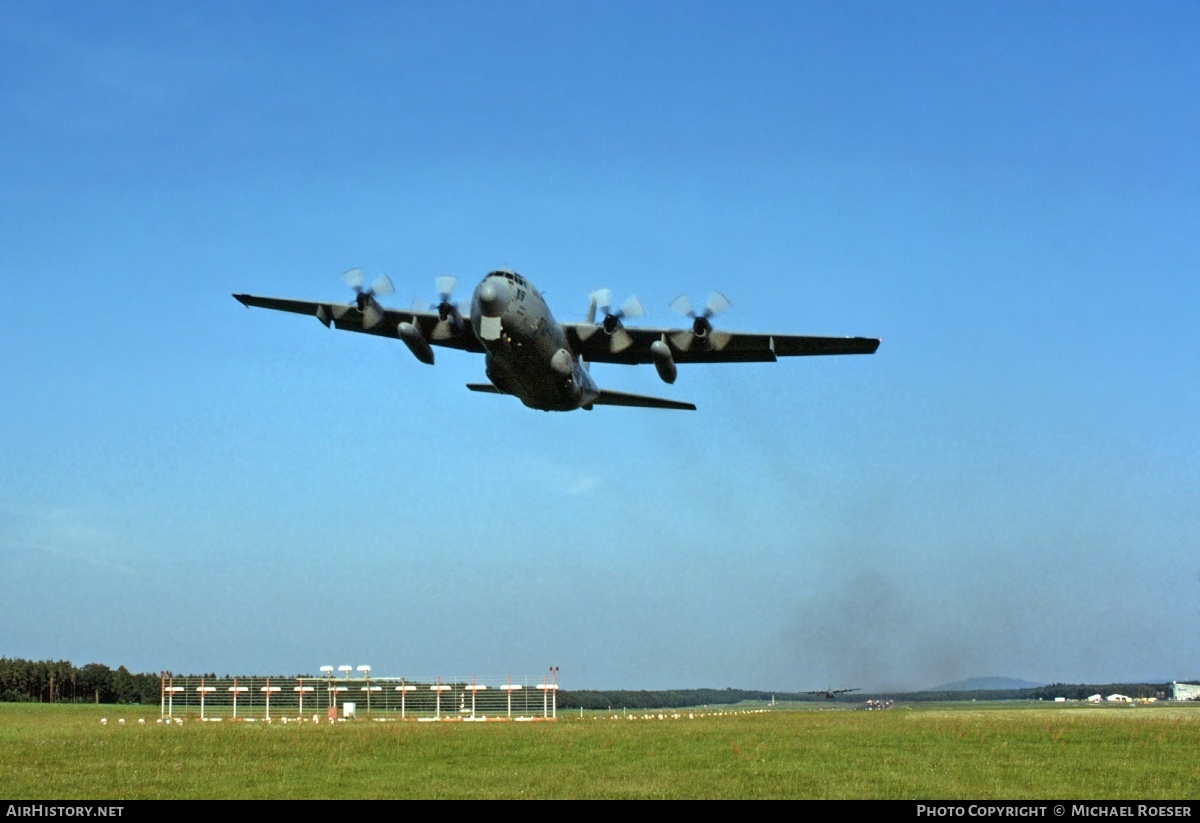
(1118, 698)
(1095, 698)
(1185, 691)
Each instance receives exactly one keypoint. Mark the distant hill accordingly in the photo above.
(986, 684)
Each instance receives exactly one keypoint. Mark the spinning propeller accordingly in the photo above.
(611, 323)
(450, 314)
(364, 299)
(701, 327)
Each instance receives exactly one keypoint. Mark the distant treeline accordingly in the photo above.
(58, 681)
(673, 699)
(681, 698)
(1071, 691)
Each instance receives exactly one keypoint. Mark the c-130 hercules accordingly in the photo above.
(544, 363)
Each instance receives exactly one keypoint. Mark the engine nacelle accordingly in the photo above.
(563, 363)
(660, 353)
(416, 342)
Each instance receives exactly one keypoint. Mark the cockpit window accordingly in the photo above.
(510, 276)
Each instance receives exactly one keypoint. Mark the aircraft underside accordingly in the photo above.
(532, 382)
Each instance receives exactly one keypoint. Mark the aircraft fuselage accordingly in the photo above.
(528, 355)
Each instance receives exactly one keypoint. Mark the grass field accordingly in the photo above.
(946, 751)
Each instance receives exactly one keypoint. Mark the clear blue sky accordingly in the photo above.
(1007, 193)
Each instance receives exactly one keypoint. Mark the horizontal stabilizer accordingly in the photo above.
(608, 398)
(616, 398)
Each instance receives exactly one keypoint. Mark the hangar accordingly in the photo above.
(1185, 691)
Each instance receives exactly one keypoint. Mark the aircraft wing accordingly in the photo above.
(347, 317)
(632, 345)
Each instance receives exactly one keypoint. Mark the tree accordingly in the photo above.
(95, 682)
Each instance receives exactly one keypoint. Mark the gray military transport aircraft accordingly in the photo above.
(544, 363)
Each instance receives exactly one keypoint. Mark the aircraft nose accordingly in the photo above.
(491, 298)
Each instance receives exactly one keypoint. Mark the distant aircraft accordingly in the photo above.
(544, 363)
(831, 694)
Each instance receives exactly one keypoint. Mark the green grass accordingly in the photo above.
(947, 751)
